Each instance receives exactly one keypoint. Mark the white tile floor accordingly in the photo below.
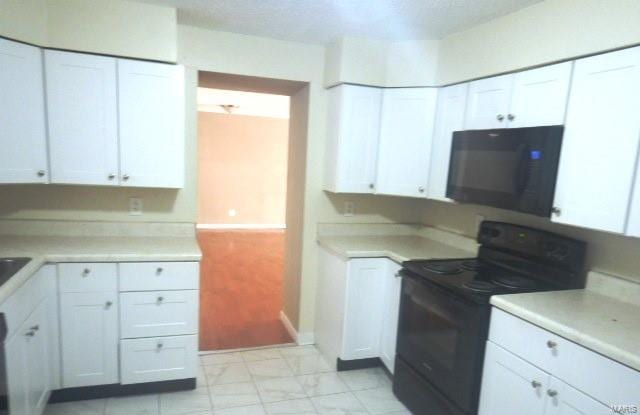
(288, 380)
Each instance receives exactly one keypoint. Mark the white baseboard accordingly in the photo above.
(241, 226)
(301, 339)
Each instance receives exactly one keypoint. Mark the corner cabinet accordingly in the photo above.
(530, 371)
(406, 131)
(357, 309)
(600, 144)
(23, 158)
(351, 153)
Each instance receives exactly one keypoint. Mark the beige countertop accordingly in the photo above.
(600, 323)
(54, 249)
(398, 248)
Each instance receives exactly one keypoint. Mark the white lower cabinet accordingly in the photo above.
(528, 370)
(357, 308)
(89, 323)
(391, 309)
(510, 385)
(159, 358)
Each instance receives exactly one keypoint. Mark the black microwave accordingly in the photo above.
(510, 168)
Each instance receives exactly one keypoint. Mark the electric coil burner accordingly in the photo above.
(444, 311)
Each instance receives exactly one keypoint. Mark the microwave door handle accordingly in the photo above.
(520, 178)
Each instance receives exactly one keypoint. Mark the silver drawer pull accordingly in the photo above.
(86, 272)
(108, 304)
(159, 345)
(160, 299)
(35, 328)
(552, 393)
(535, 384)
(159, 270)
(551, 344)
(30, 333)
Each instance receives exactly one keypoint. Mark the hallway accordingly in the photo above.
(241, 288)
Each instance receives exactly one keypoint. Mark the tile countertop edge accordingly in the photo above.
(574, 335)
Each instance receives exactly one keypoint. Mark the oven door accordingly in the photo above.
(512, 168)
(442, 337)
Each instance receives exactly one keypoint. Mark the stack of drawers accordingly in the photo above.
(158, 321)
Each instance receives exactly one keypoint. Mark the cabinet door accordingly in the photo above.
(363, 314)
(406, 131)
(600, 144)
(488, 103)
(452, 101)
(151, 107)
(38, 364)
(23, 158)
(352, 139)
(540, 96)
(89, 323)
(511, 386)
(391, 309)
(82, 118)
(566, 400)
(17, 372)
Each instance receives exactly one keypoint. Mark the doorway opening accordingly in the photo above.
(243, 205)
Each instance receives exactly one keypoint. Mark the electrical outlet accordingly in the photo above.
(135, 206)
(349, 209)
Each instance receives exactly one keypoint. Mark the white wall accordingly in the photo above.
(544, 32)
(24, 20)
(380, 63)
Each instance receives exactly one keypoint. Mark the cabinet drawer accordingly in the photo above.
(157, 359)
(597, 376)
(88, 277)
(158, 313)
(145, 276)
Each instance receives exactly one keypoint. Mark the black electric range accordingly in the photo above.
(444, 311)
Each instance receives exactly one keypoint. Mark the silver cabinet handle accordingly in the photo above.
(552, 392)
(159, 345)
(159, 270)
(111, 176)
(551, 344)
(125, 177)
(371, 185)
(86, 272)
(556, 211)
(41, 173)
(511, 117)
(160, 299)
(30, 333)
(35, 328)
(535, 384)
(500, 117)
(421, 189)
(108, 304)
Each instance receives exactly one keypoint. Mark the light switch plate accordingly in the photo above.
(135, 206)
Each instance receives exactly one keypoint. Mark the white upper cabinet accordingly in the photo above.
(82, 118)
(449, 118)
(151, 107)
(488, 103)
(540, 96)
(406, 131)
(352, 139)
(525, 99)
(600, 144)
(23, 158)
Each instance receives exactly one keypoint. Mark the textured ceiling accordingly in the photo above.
(322, 21)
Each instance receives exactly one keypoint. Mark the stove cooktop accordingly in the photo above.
(474, 278)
